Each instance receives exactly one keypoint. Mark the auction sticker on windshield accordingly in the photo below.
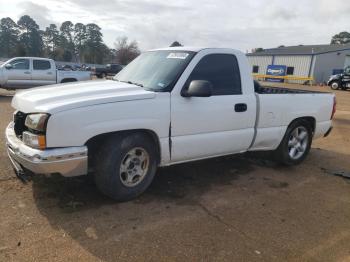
(178, 55)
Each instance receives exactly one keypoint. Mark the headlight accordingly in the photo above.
(33, 140)
(37, 121)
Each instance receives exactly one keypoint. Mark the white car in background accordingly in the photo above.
(25, 72)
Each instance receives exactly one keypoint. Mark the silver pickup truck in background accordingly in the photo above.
(26, 72)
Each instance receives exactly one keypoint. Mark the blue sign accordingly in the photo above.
(337, 71)
(276, 70)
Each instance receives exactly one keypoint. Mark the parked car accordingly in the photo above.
(109, 70)
(168, 106)
(340, 81)
(24, 72)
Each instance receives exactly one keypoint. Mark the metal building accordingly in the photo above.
(317, 61)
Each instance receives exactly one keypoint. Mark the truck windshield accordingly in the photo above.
(156, 70)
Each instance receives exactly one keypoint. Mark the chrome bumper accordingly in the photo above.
(67, 161)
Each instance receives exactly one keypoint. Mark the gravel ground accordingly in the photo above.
(237, 208)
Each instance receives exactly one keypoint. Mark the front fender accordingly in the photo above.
(333, 78)
(75, 127)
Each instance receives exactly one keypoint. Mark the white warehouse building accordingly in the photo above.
(317, 61)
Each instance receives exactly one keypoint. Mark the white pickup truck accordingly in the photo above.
(25, 72)
(166, 107)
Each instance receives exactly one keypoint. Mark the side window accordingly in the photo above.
(290, 70)
(41, 65)
(221, 70)
(20, 64)
(255, 69)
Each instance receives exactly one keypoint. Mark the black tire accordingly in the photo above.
(282, 153)
(335, 85)
(68, 80)
(108, 160)
(103, 75)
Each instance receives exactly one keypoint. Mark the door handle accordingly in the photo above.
(49, 73)
(27, 72)
(241, 107)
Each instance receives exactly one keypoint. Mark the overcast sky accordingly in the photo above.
(221, 23)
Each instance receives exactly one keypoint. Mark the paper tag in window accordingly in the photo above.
(178, 55)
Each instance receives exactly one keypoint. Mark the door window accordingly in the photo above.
(20, 64)
(41, 65)
(221, 70)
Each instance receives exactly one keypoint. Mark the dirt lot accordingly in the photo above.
(240, 208)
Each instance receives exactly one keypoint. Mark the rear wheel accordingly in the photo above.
(296, 143)
(125, 166)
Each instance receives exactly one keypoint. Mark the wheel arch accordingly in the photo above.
(94, 142)
(309, 119)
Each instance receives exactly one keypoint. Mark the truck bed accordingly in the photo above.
(280, 90)
(279, 106)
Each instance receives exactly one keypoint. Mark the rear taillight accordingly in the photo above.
(334, 107)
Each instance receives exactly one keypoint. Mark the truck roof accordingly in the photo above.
(31, 57)
(188, 48)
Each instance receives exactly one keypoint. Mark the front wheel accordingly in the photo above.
(296, 143)
(335, 85)
(125, 166)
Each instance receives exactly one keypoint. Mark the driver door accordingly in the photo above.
(221, 124)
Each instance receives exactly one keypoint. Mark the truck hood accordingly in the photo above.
(61, 97)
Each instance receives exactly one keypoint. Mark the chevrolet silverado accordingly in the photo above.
(168, 106)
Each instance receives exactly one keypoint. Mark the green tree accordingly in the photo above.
(95, 49)
(79, 39)
(67, 29)
(341, 38)
(52, 41)
(67, 43)
(126, 52)
(8, 37)
(175, 43)
(258, 49)
(31, 36)
(79, 42)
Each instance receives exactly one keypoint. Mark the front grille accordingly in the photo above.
(19, 120)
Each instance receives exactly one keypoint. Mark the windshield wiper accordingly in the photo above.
(133, 83)
(130, 82)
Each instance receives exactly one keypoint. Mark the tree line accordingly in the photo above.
(70, 42)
